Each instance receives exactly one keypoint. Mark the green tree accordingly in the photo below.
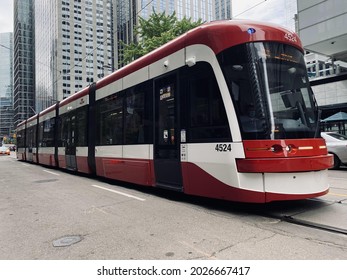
(154, 32)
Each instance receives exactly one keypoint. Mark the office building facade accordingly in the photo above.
(73, 46)
(321, 32)
(223, 9)
(6, 85)
(78, 42)
(23, 62)
(194, 9)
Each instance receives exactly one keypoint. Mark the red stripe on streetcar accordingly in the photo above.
(284, 148)
(294, 164)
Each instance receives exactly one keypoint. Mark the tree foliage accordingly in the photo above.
(157, 30)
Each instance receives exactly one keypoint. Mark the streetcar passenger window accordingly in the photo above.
(110, 120)
(46, 133)
(125, 117)
(31, 137)
(207, 119)
(20, 139)
(63, 132)
(137, 128)
(67, 130)
(82, 131)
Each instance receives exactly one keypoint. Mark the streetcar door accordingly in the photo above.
(167, 162)
(70, 141)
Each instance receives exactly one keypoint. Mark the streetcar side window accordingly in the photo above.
(125, 117)
(82, 128)
(41, 135)
(20, 139)
(46, 133)
(110, 120)
(63, 132)
(31, 136)
(137, 114)
(67, 130)
(207, 119)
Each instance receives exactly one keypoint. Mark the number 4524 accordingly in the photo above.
(223, 148)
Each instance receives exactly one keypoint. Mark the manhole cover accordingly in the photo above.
(67, 241)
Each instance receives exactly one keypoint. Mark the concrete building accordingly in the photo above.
(223, 9)
(321, 27)
(73, 46)
(322, 32)
(193, 9)
(23, 63)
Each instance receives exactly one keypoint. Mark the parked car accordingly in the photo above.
(5, 151)
(337, 145)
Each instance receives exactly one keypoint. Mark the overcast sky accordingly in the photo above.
(6, 16)
(275, 11)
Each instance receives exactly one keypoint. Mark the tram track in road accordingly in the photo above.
(292, 220)
(320, 214)
(327, 213)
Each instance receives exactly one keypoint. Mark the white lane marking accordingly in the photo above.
(25, 164)
(121, 193)
(50, 172)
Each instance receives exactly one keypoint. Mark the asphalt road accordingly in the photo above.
(50, 214)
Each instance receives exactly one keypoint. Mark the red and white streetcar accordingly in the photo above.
(224, 111)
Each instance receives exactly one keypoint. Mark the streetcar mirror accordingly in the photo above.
(237, 68)
(291, 98)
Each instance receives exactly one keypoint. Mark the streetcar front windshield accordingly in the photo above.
(270, 91)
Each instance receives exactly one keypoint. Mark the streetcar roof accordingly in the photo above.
(74, 96)
(47, 110)
(217, 35)
(34, 117)
(21, 124)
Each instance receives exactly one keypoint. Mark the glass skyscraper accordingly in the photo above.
(6, 65)
(194, 9)
(6, 84)
(46, 48)
(222, 9)
(23, 77)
